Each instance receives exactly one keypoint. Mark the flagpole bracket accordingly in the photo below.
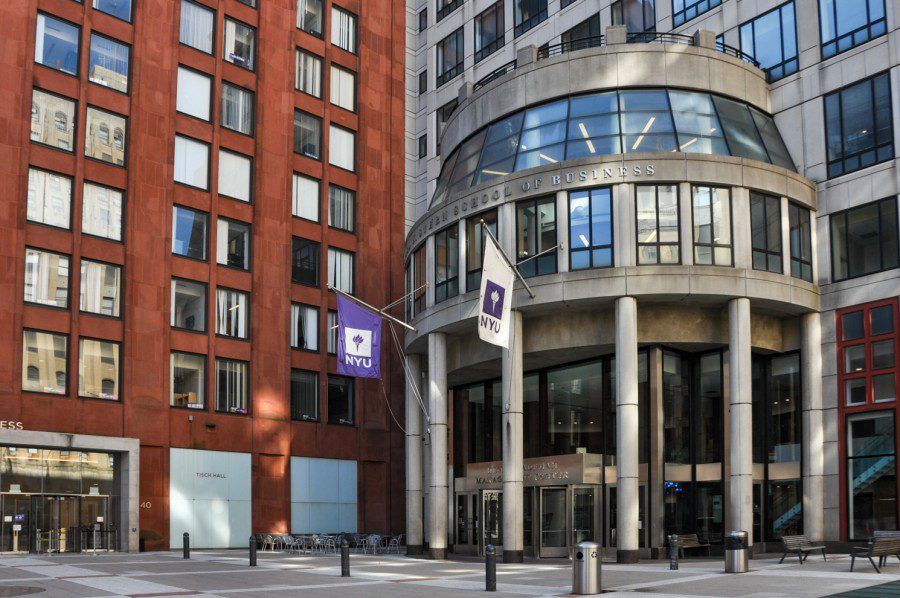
(505, 257)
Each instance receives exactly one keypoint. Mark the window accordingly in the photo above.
(191, 162)
(536, 234)
(121, 9)
(49, 198)
(340, 269)
(340, 400)
(423, 146)
(305, 197)
(99, 143)
(250, 3)
(646, 122)
(46, 278)
(475, 241)
(109, 63)
(304, 395)
(420, 279)
(657, 225)
(237, 109)
(308, 77)
(443, 115)
(56, 44)
(343, 29)
(685, 10)
(772, 40)
(188, 305)
(234, 175)
(45, 362)
(450, 57)
(304, 327)
(102, 212)
(590, 229)
(489, 31)
(196, 28)
(188, 380)
(193, 95)
(445, 7)
(423, 81)
(867, 354)
(712, 226)
(528, 14)
(698, 126)
(845, 24)
(423, 20)
(309, 16)
(637, 15)
(233, 244)
(871, 473)
(331, 332)
(232, 386)
(446, 264)
(307, 135)
(189, 233)
(232, 313)
(52, 120)
(342, 147)
(859, 128)
(343, 88)
(341, 208)
(864, 239)
(305, 263)
(585, 34)
(765, 229)
(100, 288)
(98, 369)
(801, 242)
(240, 43)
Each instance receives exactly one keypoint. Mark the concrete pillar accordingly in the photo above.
(437, 409)
(414, 503)
(616, 34)
(813, 431)
(627, 431)
(513, 448)
(741, 417)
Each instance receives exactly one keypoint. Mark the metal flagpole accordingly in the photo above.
(506, 259)
(370, 307)
(400, 300)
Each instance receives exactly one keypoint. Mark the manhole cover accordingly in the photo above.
(19, 590)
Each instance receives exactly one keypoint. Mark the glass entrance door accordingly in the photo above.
(55, 523)
(584, 514)
(492, 519)
(554, 526)
(15, 529)
(611, 515)
(96, 531)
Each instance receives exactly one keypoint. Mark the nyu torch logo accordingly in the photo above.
(492, 306)
(358, 347)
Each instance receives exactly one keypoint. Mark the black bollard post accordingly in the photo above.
(252, 551)
(345, 558)
(186, 545)
(490, 569)
(673, 552)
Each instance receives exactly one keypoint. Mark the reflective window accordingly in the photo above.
(49, 198)
(450, 56)
(585, 34)
(189, 231)
(573, 409)
(188, 305)
(446, 263)
(475, 241)
(240, 44)
(52, 120)
(307, 135)
(102, 212)
(464, 164)
(343, 29)
(191, 162)
(340, 269)
(636, 15)
(420, 279)
(708, 409)
(188, 380)
(304, 395)
(233, 244)
(445, 7)
(232, 313)
(871, 473)
(489, 31)
(100, 288)
(859, 125)
(342, 147)
(304, 327)
(698, 126)
(237, 109)
(442, 117)
(121, 9)
(657, 224)
(801, 242)
(423, 19)
(305, 261)
(765, 232)
(309, 16)
(845, 24)
(646, 121)
(784, 398)
(593, 126)
(784, 509)
(543, 138)
(45, 362)
(193, 95)
(774, 144)
(196, 27)
(105, 137)
(343, 88)
(528, 14)
(712, 226)
(590, 229)
(341, 406)
(46, 278)
(98, 369)
(867, 355)
(771, 39)
(305, 197)
(234, 175)
(741, 132)
(56, 44)
(864, 240)
(536, 236)
(685, 10)
(109, 63)
(341, 208)
(232, 386)
(308, 76)
(331, 328)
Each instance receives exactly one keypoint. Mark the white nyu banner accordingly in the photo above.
(496, 296)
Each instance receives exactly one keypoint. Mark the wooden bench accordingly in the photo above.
(690, 541)
(879, 533)
(880, 547)
(800, 545)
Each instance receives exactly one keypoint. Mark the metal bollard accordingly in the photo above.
(490, 569)
(252, 551)
(673, 552)
(186, 545)
(345, 558)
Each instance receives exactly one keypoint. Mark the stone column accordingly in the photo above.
(437, 409)
(513, 474)
(741, 417)
(813, 432)
(413, 460)
(627, 431)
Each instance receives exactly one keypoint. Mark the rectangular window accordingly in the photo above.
(98, 369)
(342, 147)
(100, 288)
(340, 400)
(658, 225)
(52, 120)
(536, 234)
(308, 76)
(232, 386)
(188, 305)
(341, 208)
(445, 7)
(423, 146)
(446, 264)
(121, 9)
(309, 16)
(56, 44)
(864, 240)
(340, 269)
(250, 3)
(450, 57)
(585, 34)
(304, 395)
(845, 24)
(307, 135)
(590, 229)
(45, 362)
(49, 198)
(765, 229)
(46, 278)
(423, 82)
(871, 473)
(442, 116)
(188, 380)
(420, 279)
(712, 226)
(867, 354)
(801, 242)
(102, 211)
(105, 137)
(240, 44)
(489, 31)
(343, 88)
(191, 162)
(109, 63)
(475, 241)
(331, 332)
(685, 10)
(771, 39)
(234, 175)
(304, 327)
(528, 14)
(859, 128)
(637, 15)
(305, 197)
(232, 313)
(193, 94)
(189, 232)
(343, 29)
(423, 20)
(237, 109)
(305, 263)
(233, 244)
(196, 28)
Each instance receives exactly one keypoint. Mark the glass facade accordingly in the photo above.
(590, 229)
(845, 24)
(859, 128)
(536, 244)
(771, 39)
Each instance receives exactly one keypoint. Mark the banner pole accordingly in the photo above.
(505, 258)
(370, 307)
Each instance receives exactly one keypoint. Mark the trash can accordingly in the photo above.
(586, 569)
(737, 552)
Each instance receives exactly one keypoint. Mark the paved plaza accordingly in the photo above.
(226, 573)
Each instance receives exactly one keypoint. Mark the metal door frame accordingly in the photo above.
(555, 551)
(471, 545)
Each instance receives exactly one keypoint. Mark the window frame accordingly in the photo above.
(794, 207)
(77, 73)
(205, 330)
(240, 89)
(210, 78)
(713, 246)
(526, 25)
(249, 328)
(253, 53)
(320, 120)
(354, 20)
(332, 67)
(328, 268)
(537, 202)
(209, 157)
(845, 214)
(766, 251)
(784, 64)
(445, 8)
(471, 283)
(592, 247)
(122, 220)
(690, 12)
(71, 199)
(442, 78)
(320, 34)
(309, 242)
(315, 58)
(204, 386)
(318, 181)
(352, 385)
(127, 90)
(250, 182)
(75, 127)
(317, 335)
(119, 369)
(449, 287)
(658, 244)
(295, 416)
(206, 243)
(69, 281)
(249, 258)
(214, 34)
(120, 291)
(248, 389)
(333, 127)
(353, 194)
(125, 132)
(835, 41)
(498, 8)
(130, 18)
(66, 336)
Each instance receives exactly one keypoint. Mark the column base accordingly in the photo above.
(513, 556)
(627, 557)
(414, 550)
(437, 554)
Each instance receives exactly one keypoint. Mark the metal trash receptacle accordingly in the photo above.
(737, 552)
(586, 569)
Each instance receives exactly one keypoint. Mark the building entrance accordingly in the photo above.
(57, 523)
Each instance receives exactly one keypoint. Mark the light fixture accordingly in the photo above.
(234, 307)
(644, 132)
(587, 140)
(547, 158)
(687, 143)
(497, 172)
(584, 240)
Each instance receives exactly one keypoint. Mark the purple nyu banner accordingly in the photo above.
(359, 340)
